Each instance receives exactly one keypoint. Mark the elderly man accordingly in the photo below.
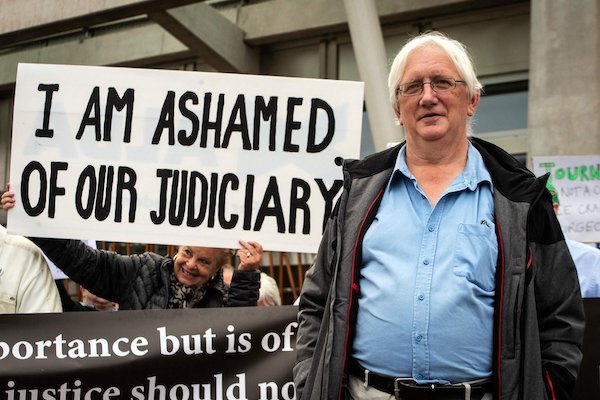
(443, 273)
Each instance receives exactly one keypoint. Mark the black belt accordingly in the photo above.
(408, 389)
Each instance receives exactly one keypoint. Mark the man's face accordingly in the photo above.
(432, 116)
(194, 266)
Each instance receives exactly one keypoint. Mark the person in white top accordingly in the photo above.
(587, 262)
(585, 257)
(26, 283)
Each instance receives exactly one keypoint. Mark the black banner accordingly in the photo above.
(217, 354)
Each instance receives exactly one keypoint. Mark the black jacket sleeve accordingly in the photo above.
(244, 289)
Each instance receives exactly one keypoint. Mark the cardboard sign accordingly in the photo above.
(179, 157)
(577, 180)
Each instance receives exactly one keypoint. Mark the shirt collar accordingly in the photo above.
(475, 171)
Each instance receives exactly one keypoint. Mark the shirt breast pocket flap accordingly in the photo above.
(7, 303)
(476, 252)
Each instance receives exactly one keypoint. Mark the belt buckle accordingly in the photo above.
(397, 384)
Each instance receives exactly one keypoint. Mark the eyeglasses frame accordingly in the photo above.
(431, 83)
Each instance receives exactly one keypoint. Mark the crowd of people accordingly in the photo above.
(442, 272)
(195, 277)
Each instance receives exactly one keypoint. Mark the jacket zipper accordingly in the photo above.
(501, 300)
(354, 287)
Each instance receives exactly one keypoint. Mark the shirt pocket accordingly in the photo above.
(8, 303)
(476, 253)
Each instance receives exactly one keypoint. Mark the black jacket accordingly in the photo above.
(539, 320)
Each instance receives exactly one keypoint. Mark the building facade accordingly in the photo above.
(537, 59)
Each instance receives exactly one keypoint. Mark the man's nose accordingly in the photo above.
(428, 94)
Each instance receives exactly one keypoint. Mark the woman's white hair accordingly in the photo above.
(269, 291)
(456, 51)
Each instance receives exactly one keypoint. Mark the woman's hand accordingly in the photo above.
(250, 255)
(8, 198)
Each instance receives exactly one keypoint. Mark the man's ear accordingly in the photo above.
(472, 107)
(398, 116)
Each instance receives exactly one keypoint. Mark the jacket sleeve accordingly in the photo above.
(244, 289)
(312, 314)
(106, 274)
(559, 305)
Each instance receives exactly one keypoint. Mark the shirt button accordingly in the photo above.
(426, 262)
(421, 297)
(431, 228)
(418, 338)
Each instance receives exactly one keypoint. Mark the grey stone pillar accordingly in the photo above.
(369, 50)
(564, 78)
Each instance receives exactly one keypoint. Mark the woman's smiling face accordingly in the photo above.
(195, 266)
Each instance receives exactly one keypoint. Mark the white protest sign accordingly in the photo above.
(179, 157)
(577, 181)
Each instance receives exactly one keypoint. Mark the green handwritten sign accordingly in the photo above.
(577, 181)
(581, 172)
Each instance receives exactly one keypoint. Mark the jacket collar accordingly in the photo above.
(509, 176)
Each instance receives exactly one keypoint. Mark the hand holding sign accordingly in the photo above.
(8, 198)
(250, 255)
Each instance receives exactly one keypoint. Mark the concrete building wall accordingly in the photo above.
(564, 87)
(549, 45)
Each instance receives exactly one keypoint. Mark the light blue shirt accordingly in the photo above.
(587, 262)
(427, 281)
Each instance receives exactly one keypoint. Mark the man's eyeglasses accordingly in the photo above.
(439, 85)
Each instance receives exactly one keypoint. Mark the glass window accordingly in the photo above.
(501, 117)
(501, 111)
